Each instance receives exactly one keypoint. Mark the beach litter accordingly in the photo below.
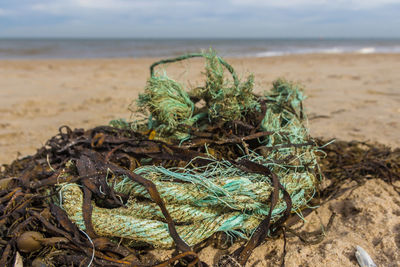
(363, 258)
(211, 163)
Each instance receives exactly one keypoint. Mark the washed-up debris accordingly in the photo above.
(363, 258)
(213, 162)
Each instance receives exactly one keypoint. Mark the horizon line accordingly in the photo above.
(198, 38)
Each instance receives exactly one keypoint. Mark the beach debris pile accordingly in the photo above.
(209, 165)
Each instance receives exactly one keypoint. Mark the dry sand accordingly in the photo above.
(349, 97)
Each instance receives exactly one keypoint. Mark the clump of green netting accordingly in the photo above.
(171, 105)
(219, 196)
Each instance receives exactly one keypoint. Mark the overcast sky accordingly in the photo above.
(200, 18)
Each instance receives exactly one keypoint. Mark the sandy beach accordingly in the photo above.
(350, 97)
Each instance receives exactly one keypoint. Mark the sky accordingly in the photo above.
(200, 18)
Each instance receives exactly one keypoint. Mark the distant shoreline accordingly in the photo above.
(154, 48)
(305, 55)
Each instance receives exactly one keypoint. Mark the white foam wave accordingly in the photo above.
(334, 50)
(270, 54)
(330, 50)
(366, 50)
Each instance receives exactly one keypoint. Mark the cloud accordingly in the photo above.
(340, 4)
(198, 18)
(58, 6)
(77, 6)
(124, 6)
(5, 12)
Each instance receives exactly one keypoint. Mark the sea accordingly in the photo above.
(137, 48)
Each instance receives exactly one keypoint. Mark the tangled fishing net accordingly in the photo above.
(216, 160)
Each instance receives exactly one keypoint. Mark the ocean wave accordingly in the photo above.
(270, 54)
(330, 50)
(366, 50)
(333, 50)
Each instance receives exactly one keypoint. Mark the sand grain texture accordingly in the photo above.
(349, 97)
